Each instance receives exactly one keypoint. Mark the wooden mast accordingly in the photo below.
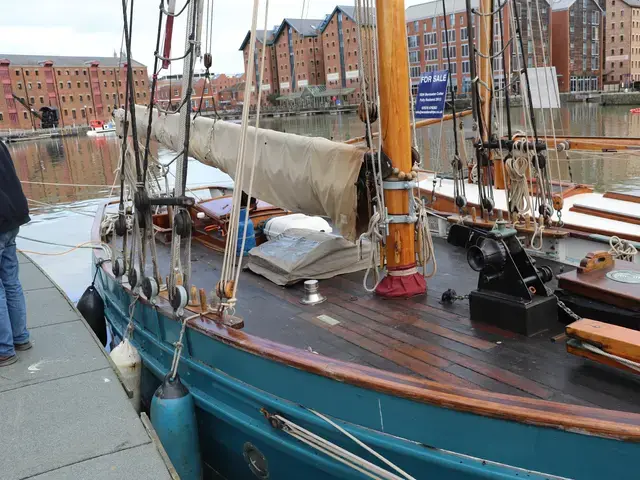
(402, 278)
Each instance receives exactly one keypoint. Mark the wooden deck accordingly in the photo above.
(422, 337)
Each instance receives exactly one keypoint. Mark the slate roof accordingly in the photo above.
(349, 11)
(305, 27)
(559, 5)
(259, 37)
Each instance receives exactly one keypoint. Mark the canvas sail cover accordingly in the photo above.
(300, 254)
(303, 174)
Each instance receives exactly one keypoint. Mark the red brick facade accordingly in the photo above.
(82, 89)
(427, 41)
(622, 44)
(169, 92)
(577, 42)
(299, 55)
(342, 51)
(268, 79)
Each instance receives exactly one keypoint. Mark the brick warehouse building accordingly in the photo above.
(268, 79)
(426, 38)
(81, 88)
(339, 38)
(577, 44)
(169, 91)
(299, 55)
(622, 44)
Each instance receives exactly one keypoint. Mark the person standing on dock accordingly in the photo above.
(14, 212)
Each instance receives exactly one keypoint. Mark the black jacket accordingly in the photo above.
(14, 210)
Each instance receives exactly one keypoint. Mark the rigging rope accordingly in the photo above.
(544, 189)
(225, 289)
(556, 95)
(338, 453)
(255, 156)
(375, 237)
(624, 361)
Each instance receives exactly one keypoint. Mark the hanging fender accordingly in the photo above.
(91, 306)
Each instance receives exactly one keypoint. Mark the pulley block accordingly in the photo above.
(488, 204)
(541, 161)
(415, 156)
(461, 201)
(150, 287)
(118, 267)
(182, 223)
(180, 298)
(545, 211)
(121, 225)
(373, 112)
(134, 277)
(141, 201)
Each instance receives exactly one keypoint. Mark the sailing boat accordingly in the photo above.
(400, 388)
(558, 220)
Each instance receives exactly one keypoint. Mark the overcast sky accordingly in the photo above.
(82, 27)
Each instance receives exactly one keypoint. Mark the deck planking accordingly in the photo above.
(421, 336)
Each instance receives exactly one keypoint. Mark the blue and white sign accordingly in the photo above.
(432, 92)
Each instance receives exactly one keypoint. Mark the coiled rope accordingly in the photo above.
(622, 249)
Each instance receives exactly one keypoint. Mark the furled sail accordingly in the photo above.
(303, 174)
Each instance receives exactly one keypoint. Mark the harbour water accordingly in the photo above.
(66, 178)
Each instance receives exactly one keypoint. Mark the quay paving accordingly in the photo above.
(64, 412)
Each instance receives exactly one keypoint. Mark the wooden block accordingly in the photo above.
(193, 296)
(619, 341)
(593, 261)
(203, 300)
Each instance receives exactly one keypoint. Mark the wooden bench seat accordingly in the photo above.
(619, 341)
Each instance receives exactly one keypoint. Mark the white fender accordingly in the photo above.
(129, 363)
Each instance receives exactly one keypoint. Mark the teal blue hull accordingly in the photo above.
(233, 387)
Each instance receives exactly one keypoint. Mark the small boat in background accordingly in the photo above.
(635, 110)
(99, 127)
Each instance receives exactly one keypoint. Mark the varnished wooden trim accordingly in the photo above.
(602, 213)
(578, 419)
(625, 197)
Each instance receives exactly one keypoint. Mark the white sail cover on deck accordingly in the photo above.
(311, 175)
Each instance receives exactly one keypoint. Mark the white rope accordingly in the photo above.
(375, 237)
(516, 169)
(365, 87)
(255, 157)
(414, 137)
(227, 272)
(426, 245)
(541, 187)
(363, 445)
(177, 352)
(624, 361)
(525, 99)
(622, 249)
(555, 95)
(334, 451)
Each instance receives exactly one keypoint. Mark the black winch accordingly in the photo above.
(511, 291)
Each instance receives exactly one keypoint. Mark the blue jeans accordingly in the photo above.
(13, 309)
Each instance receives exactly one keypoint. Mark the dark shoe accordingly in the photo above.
(21, 347)
(4, 361)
